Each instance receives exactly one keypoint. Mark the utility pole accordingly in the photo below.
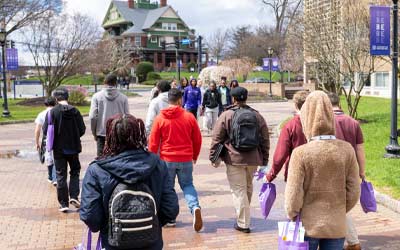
(200, 53)
(393, 149)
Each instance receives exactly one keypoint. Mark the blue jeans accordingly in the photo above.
(325, 244)
(184, 171)
(51, 169)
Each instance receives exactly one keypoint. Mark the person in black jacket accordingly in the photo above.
(68, 129)
(125, 158)
(211, 105)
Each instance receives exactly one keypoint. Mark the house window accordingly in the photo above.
(364, 78)
(138, 41)
(169, 26)
(153, 39)
(381, 79)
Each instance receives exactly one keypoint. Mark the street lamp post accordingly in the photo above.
(270, 53)
(393, 149)
(3, 41)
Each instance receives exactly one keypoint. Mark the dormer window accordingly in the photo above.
(169, 26)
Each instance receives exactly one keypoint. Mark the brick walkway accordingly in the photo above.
(29, 218)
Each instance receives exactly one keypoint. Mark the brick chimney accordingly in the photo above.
(163, 3)
(131, 4)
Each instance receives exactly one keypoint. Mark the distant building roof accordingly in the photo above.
(141, 18)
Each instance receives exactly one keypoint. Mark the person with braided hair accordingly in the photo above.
(125, 159)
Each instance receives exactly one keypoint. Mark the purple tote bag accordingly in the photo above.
(292, 245)
(50, 133)
(267, 198)
(367, 198)
(89, 242)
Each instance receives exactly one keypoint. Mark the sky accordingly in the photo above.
(205, 16)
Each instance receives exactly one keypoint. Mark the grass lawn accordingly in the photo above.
(28, 113)
(383, 173)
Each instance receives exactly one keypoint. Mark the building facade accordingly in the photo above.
(332, 15)
(144, 25)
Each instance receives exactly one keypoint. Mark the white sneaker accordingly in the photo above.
(63, 209)
(197, 220)
(75, 203)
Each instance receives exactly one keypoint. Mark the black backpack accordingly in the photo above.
(133, 220)
(244, 134)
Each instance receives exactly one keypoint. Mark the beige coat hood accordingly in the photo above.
(320, 122)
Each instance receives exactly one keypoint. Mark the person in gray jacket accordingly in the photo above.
(157, 104)
(105, 104)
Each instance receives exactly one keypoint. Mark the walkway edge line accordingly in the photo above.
(388, 201)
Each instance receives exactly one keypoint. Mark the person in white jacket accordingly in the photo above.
(157, 104)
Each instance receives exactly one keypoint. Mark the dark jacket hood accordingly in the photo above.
(130, 166)
(172, 112)
(67, 111)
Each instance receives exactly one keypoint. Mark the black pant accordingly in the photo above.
(63, 192)
(194, 112)
(101, 141)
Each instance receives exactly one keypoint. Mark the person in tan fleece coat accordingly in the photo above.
(323, 183)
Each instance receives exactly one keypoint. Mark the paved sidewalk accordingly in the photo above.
(29, 218)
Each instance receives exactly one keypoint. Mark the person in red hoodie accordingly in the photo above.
(176, 137)
(291, 137)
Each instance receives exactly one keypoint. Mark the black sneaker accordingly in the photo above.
(240, 229)
(75, 203)
(170, 224)
(63, 208)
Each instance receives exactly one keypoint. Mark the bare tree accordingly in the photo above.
(58, 44)
(19, 13)
(240, 67)
(285, 12)
(217, 43)
(337, 45)
(292, 57)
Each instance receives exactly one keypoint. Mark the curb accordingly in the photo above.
(25, 121)
(388, 202)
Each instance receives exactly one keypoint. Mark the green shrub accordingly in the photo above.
(77, 96)
(153, 76)
(143, 69)
(191, 65)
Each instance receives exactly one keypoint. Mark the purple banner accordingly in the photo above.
(380, 30)
(266, 64)
(275, 64)
(12, 59)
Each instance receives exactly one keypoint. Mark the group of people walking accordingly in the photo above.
(128, 190)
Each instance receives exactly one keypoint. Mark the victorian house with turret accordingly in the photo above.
(145, 25)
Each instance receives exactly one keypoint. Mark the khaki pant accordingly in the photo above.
(351, 233)
(241, 183)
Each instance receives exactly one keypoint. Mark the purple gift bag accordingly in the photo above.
(367, 198)
(50, 133)
(81, 246)
(292, 245)
(267, 198)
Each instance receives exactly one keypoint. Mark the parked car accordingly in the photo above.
(257, 80)
(257, 69)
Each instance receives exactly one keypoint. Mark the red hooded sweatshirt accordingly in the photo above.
(176, 135)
